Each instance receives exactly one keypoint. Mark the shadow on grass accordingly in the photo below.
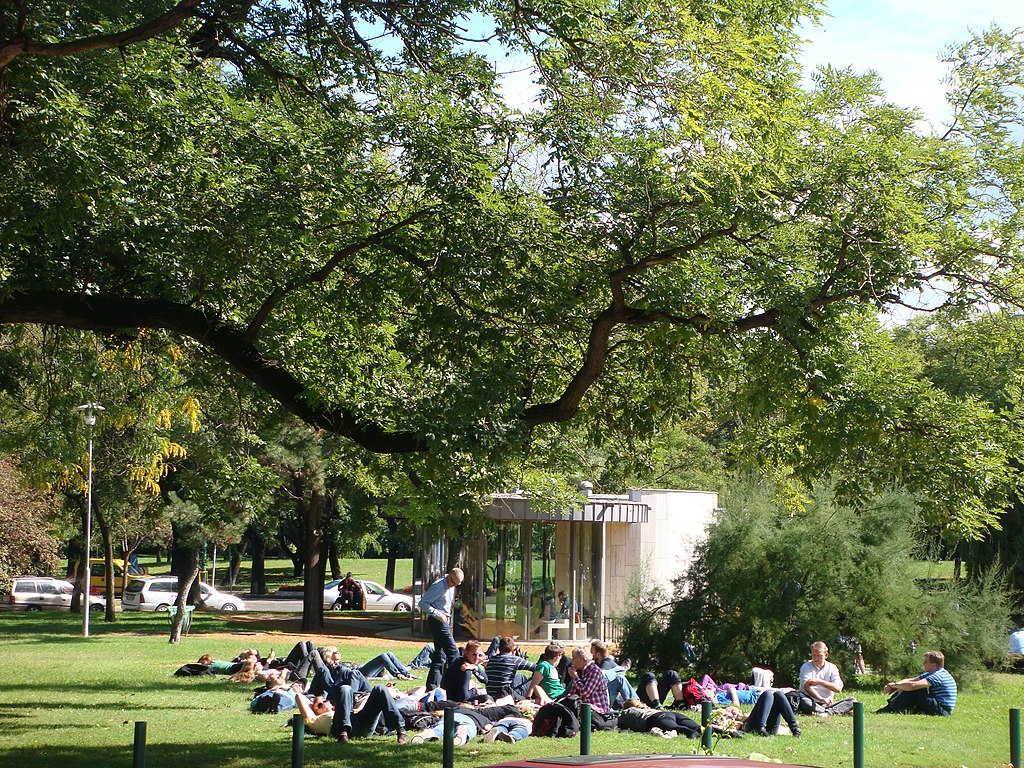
(240, 754)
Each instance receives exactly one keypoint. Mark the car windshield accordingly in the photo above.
(375, 589)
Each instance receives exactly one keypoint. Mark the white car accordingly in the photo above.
(157, 593)
(375, 597)
(45, 593)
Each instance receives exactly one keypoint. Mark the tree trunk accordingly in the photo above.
(389, 574)
(189, 559)
(313, 585)
(76, 551)
(334, 560)
(258, 574)
(108, 558)
(237, 553)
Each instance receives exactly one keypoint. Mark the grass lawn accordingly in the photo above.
(72, 702)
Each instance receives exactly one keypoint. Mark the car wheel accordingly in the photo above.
(162, 608)
(336, 605)
(95, 607)
(403, 607)
(229, 607)
(34, 608)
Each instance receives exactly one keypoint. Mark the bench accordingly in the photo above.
(551, 626)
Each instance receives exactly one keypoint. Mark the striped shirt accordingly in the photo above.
(501, 673)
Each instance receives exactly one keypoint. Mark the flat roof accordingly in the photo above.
(599, 508)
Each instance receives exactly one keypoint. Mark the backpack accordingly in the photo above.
(558, 719)
(694, 693)
(193, 670)
(803, 704)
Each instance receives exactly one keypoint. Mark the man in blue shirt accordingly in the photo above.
(931, 693)
(437, 603)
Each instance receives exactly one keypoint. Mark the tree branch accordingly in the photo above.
(104, 313)
(21, 45)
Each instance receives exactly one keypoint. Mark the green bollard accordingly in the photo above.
(448, 748)
(139, 748)
(705, 725)
(298, 733)
(858, 735)
(585, 728)
(1015, 738)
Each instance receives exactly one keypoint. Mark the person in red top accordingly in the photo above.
(590, 685)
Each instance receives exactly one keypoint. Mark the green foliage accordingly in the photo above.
(771, 580)
(27, 543)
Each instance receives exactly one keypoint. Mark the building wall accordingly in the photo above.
(658, 550)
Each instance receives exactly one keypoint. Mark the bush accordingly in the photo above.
(768, 582)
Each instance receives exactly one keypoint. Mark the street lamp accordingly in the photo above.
(88, 411)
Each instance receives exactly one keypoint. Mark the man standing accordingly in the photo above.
(819, 677)
(931, 693)
(437, 603)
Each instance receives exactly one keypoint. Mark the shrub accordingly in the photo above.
(768, 582)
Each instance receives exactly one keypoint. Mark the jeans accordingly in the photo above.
(385, 662)
(918, 702)
(422, 658)
(461, 721)
(363, 722)
(445, 651)
(619, 688)
(516, 727)
(770, 707)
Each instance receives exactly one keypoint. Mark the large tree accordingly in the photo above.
(336, 200)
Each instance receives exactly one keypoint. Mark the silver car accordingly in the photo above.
(158, 593)
(376, 597)
(45, 593)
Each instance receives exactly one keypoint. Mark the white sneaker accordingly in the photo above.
(657, 731)
(461, 736)
(505, 737)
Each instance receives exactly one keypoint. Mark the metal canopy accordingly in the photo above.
(598, 509)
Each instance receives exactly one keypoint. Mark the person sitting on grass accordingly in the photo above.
(771, 707)
(933, 692)
(457, 680)
(503, 668)
(356, 716)
(546, 684)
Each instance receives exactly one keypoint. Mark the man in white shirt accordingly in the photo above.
(819, 677)
(437, 603)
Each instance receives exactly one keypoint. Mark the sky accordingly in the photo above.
(902, 40)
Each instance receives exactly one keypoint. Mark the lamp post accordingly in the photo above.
(88, 411)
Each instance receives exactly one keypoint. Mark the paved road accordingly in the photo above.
(272, 604)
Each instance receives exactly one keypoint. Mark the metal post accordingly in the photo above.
(139, 747)
(90, 420)
(858, 735)
(585, 728)
(1015, 757)
(448, 747)
(298, 733)
(705, 724)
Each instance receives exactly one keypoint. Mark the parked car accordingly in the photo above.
(375, 597)
(123, 573)
(157, 593)
(640, 761)
(45, 593)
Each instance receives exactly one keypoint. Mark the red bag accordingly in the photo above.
(694, 693)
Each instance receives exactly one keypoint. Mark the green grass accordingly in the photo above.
(72, 702)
